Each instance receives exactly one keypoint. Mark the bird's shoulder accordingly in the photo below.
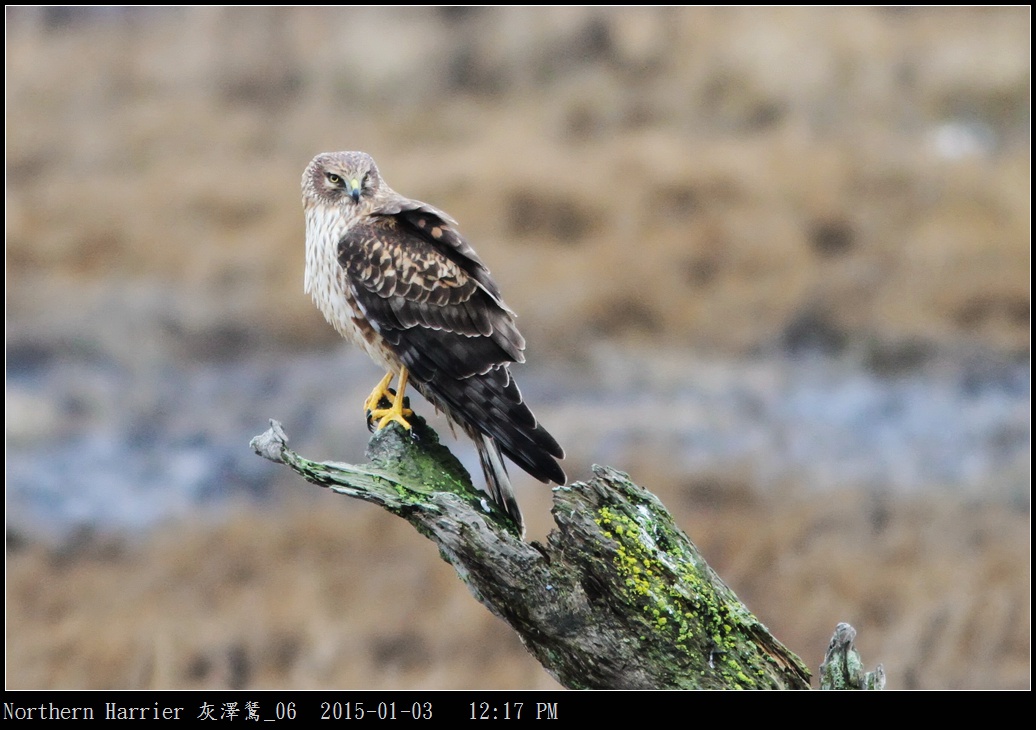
(430, 300)
(407, 235)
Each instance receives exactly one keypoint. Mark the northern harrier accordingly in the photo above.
(394, 276)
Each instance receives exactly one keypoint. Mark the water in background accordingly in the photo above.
(93, 444)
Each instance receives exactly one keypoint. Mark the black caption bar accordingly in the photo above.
(364, 707)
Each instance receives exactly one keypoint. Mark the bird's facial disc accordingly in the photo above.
(347, 182)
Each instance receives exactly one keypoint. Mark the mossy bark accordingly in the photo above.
(618, 597)
(843, 667)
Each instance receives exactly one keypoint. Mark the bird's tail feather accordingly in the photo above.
(497, 480)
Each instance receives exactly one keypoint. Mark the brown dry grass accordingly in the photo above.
(723, 172)
(335, 595)
(689, 177)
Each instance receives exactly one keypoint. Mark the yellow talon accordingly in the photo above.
(396, 412)
(381, 390)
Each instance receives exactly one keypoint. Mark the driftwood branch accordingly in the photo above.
(618, 597)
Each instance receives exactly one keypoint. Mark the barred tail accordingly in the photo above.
(497, 480)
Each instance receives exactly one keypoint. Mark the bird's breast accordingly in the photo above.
(328, 284)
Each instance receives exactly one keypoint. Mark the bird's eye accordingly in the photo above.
(334, 179)
(366, 178)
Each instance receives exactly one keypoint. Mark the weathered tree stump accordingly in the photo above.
(618, 597)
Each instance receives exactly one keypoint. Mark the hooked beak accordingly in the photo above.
(355, 190)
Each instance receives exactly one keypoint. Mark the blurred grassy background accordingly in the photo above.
(736, 182)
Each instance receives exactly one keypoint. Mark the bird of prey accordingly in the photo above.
(395, 276)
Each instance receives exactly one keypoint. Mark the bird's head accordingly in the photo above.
(343, 179)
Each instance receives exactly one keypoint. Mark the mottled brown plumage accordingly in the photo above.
(394, 276)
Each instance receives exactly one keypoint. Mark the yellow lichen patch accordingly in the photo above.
(675, 598)
(636, 562)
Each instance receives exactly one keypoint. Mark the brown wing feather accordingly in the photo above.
(432, 301)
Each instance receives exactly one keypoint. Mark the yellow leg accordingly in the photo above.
(380, 391)
(396, 412)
